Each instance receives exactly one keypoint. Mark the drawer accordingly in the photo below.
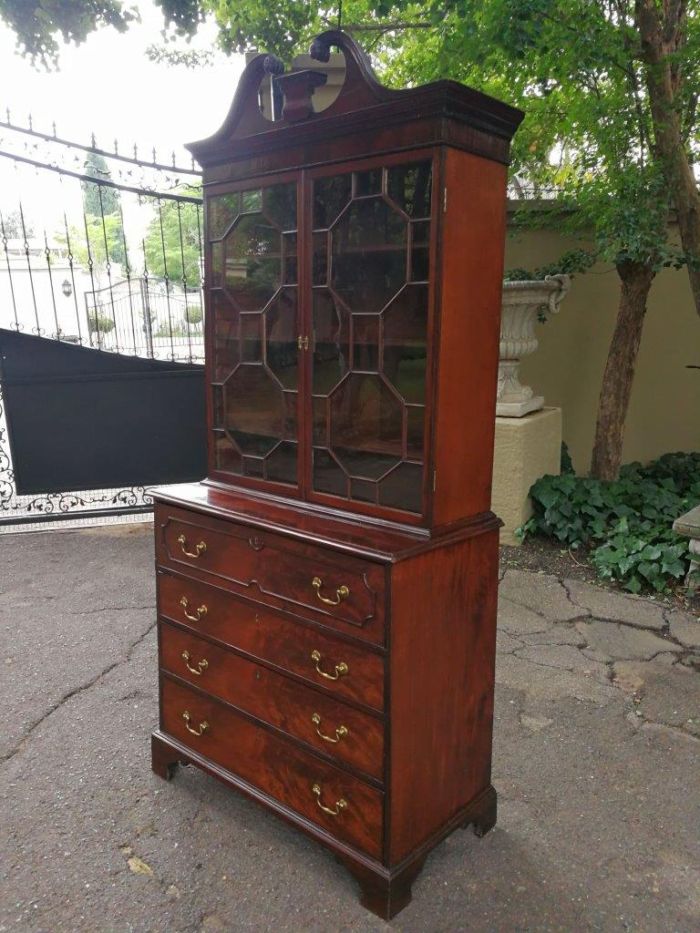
(341, 591)
(320, 721)
(276, 766)
(346, 671)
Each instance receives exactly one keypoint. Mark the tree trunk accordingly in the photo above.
(619, 370)
(661, 38)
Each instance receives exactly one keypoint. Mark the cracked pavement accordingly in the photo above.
(595, 762)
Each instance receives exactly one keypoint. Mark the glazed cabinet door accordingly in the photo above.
(253, 327)
(370, 307)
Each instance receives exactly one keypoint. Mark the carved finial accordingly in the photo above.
(272, 65)
(320, 51)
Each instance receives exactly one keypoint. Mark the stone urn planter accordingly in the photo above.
(524, 302)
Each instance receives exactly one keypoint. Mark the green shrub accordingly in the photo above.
(100, 323)
(193, 315)
(625, 523)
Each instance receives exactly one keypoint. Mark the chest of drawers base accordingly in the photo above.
(345, 687)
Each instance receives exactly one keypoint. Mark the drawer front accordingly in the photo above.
(276, 766)
(322, 722)
(345, 671)
(343, 592)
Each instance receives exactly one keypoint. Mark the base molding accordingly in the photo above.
(385, 890)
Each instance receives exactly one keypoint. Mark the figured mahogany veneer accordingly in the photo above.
(276, 766)
(274, 571)
(327, 595)
(274, 639)
(353, 737)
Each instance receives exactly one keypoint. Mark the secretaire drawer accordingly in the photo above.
(322, 722)
(328, 796)
(341, 591)
(344, 670)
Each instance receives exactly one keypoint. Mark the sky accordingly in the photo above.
(107, 86)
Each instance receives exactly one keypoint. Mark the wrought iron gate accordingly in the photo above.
(108, 259)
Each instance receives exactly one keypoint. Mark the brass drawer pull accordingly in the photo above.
(340, 669)
(340, 805)
(201, 728)
(201, 665)
(340, 594)
(199, 549)
(340, 732)
(195, 616)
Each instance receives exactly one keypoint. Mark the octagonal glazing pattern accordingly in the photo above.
(255, 358)
(370, 275)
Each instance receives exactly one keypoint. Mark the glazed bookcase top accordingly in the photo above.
(328, 255)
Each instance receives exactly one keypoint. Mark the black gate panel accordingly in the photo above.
(79, 418)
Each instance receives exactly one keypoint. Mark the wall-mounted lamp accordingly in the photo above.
(66, 288)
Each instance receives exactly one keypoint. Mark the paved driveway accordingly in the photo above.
(596, 766)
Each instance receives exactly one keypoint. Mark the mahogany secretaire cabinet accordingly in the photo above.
(327, 596)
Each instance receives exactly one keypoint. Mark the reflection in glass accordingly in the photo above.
(254, 409)
(409, 186)
(365, 337)
(282, 354)
(405, 335)
(330, 197)
(253, 262)
(280, 205)
(222, 210)
(369, 255)
(369, 182)
(281, 465)
(366, 418)
(330, 342)
(227, 354)
(403, 488)
(328, 476)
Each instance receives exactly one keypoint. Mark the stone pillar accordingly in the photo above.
(525, 449)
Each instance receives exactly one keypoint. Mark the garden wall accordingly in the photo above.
(664, 413)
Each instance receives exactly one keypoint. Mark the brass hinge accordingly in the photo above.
(303, 342)
(444, 200)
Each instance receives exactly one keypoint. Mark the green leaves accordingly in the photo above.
(627, 524)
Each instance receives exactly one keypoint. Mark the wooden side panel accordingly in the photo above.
(443, 646)
(473, 237)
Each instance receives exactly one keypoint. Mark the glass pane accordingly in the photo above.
(402, 488)
(409, 186)
(320, 260)
(227, 353)
(369, 182)
(281, 464)
(405, 348)
(280, 205)
(222, 210)
(282, 353)
(253, 262)
(217, 264)
(255, 327)
(366, 416)
(368, 255)
(370, 316)
(415, 421)
(330, 342)
(251, 200)
(365, 336)
(330, 197)
(289, 258)
(363, 490)
(255, 409)
(251, 338)
(420, 253)
(226, 457)
(328, 476)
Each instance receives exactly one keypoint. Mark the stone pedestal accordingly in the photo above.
(526, 448)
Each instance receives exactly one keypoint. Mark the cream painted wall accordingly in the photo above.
(664, 413)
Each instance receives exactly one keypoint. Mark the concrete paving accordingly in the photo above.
(596, 766)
